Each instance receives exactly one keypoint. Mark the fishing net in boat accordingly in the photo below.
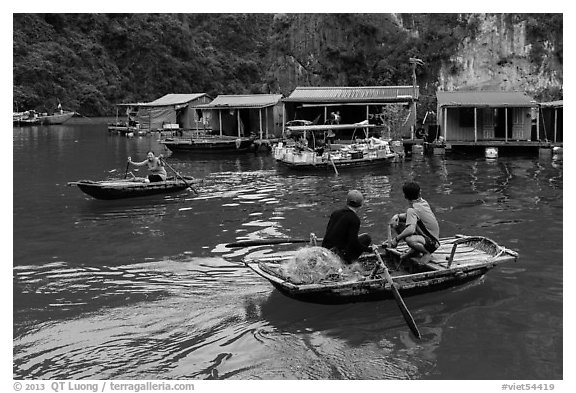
(312, 265)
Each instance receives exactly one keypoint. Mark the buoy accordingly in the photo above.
(491, 152)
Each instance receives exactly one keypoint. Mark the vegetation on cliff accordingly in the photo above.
(89, 62)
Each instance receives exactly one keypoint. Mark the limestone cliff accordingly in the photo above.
(502, 56)
(461, 51)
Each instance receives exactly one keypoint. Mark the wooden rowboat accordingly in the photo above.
(130, 188)
(458, 260)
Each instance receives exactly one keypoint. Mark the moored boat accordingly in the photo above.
(29, 118)
(208, 144)
(55, 118)
(130, 188)
(458, 260)
(312, 151)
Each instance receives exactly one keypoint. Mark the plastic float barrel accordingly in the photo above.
(491, 152)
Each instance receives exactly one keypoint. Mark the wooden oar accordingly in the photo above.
(333, 166)
(405, 312)
(264, 242)
(126, 172)
(178, 175)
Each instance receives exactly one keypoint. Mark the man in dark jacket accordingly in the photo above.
(342, 230)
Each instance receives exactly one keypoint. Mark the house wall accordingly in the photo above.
(190, 118)
(251, 121)
(490, 124)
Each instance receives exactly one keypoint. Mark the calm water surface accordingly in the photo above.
(144, 288)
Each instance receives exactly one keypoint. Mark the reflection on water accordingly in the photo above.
(146, 289)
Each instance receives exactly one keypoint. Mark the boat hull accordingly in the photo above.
(411, 278)
(208, 145)
(55, 118)
(341, 164)
(376, 290)
(109, 190)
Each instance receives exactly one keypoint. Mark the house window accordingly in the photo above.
(466, 117)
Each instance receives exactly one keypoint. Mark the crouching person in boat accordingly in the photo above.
(418, 226)
(342, 230)
(155, 166)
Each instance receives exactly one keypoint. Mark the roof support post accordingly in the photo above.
(414, 113)
(445, 124)
(283, 120)
(555, 123)
(260, 115)
(475, 125)
(266, 119)
(538, 123)
(238, 118)
(220, 118)
(325, 115)
(506, 124)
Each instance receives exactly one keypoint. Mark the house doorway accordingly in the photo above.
(500, 123)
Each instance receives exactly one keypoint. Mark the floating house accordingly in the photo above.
(256, 116)
(176, 112)
(550, 121)
(354, 105)
(486, 118)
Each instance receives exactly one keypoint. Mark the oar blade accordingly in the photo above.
(405, 312)
(399, 301)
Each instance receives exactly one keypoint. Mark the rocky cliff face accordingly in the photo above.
(327, 49)
(501, 57)
(464, 51)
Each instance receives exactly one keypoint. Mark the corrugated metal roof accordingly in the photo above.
(353, 94)
(484, 98)
(243, 101)
(553, 104)
(175, 99)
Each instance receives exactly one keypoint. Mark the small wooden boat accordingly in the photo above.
(208, 144)
(55, 118)
(27, 118)
(30, 118)
(458, 260)
(130, 188)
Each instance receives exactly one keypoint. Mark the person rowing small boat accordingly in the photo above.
(155, 166)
